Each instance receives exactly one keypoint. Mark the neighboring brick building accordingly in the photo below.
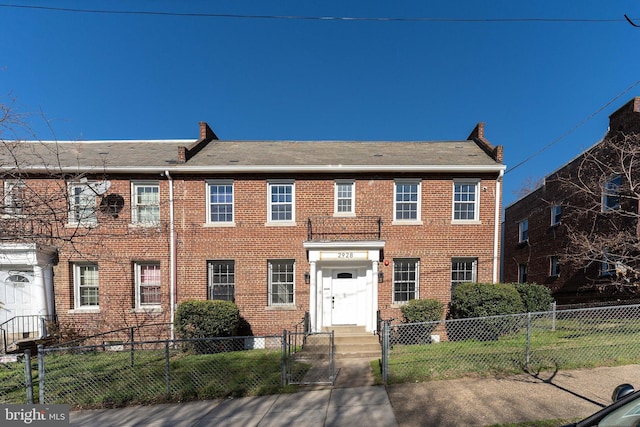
(537, 247)
(339, 229)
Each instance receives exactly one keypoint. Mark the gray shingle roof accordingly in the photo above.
(250, 155)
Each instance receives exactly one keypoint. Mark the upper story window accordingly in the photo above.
(148, 282)
(405, 280)
(554, 266)
(344, 197)
(463, 270)
(14, 197)
(85, 285)
(407, 198)
(220, 205)
(222, 280)
(82, 204)
(556, 214)
(145, 203)
(611, 194)
(281, 203)
(281, 282)
(523, 231)
(466, 200)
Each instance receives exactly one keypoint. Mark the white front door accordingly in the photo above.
(347, 298)
(17, 294)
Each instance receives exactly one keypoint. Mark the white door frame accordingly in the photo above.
(325, 256)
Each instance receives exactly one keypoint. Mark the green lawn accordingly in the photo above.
(107, 379)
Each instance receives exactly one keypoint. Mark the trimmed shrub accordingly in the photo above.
(420, 311)
(535, 297)
(483, 300)
(206, 319)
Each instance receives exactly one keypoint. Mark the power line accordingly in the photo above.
(313, 18)
(573, 129)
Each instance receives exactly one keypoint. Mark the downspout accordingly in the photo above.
(496, 237)
(172, 255)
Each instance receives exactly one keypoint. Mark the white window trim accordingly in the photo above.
(418, 220)
(337, 183)
(606, 193)
(393, 281)
(210, 284)
(474, 267)
(208, 186)
(138, 283)
(71, 220)
(76, 287)
(8, 201)
(520, 230)
(270, 281)
(476, 207)
(134, 204)
(292, 221)
(554, 262)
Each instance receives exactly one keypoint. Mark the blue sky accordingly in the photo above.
(133, 76)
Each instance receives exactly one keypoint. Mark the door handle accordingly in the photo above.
(333, 300)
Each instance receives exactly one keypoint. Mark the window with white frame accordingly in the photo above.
(14, 197)
(554, 266)
(405, 280)
(281, 201)
(407, 199)
(523, 231)
(220, 206)
(463, 270)
(85, 280)
(344, 197)
(608, 265)
(145, 203)
(465, 200)
(281, 282)
(222, 280)
(148, 284)
(556, 214)
(611, 194)
(522, 273)
(82, 204)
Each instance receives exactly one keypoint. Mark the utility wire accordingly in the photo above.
(573, 129)
(312, 18)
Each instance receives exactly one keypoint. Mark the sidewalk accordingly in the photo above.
(469, 402)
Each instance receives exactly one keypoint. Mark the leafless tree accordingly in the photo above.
(600, 193)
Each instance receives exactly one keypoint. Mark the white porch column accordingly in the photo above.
(372, 319)
(313, 300)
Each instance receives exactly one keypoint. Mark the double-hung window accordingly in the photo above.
(465, 200)
(344, 197)
(611, 194)
(281, 202)
(281, 282)
(554, 266)
(82, 204)
(522, 273)
(407, 198)
(145, 203)
(608, 265)
(14, 197)
(85, 280)
(148, 282)
(463, 270)
(556, 214)
(405, 280)
(222, 280)
(523, 231)
(220, 203)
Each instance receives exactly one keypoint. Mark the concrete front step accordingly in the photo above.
(355, 341)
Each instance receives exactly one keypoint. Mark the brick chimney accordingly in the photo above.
(206, 136)
(626, 119)
(477, 135)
